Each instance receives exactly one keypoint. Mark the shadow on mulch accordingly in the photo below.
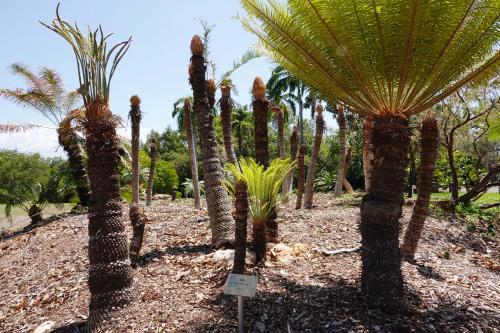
(149, 257)
(78, 327)
(427, 272)
(335, 307)
(32, 227)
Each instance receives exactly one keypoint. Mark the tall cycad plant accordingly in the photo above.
(45, 93)
(110, 274)
(391, 59)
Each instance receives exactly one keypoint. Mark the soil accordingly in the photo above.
(452, 286)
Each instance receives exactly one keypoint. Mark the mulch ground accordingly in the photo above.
(453, 286)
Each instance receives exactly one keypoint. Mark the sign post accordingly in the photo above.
(242, 286)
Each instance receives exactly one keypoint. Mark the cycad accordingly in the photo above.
(388, 59)
(264, 185)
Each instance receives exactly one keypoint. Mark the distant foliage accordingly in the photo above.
(166, 178)
(467, 169)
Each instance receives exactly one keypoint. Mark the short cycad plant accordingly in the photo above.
(264, 187)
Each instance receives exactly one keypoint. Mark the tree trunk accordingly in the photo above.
(135, 119)
(152, 167)
(138, 219)
(260, 109)
(381, 208)
(259, 240)
(69, 141)
(294, 145)
(192, 153)
(217, 198)
(484, 184)
(367, 150)
(348, 157)
(340, 174)
(429, 144)
(300, 176)
(240, 217)
(281, 141)
(411, 176)
(35, 214)
(309, 187)
(301, 114)
(110, 274)
(454, 175)
(226, 108)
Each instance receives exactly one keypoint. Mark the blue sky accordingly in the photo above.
(155, 67)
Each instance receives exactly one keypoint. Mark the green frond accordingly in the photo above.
(244, 59)
(384, 56)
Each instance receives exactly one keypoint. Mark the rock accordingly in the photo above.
(259, 327)
(45, 327)
(223, 255)
(161, 197)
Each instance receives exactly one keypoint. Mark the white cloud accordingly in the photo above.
(36, 140)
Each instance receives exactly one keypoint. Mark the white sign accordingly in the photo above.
(241, 285)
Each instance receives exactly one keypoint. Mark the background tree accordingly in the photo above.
(152, 167)
(192, 153)
(243, 129)
(110, 275)
(217, 199)
(300, 176)
(342, 151)
(318, 137)
(392, 61)
(46, 94)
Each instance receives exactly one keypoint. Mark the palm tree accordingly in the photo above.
(192, 152)
(242, 127)
(318, 137)
(391, 60)
(217, 198)
(264, 185)
(294, 145)
(46, 94)
(300, 176)
(281, 140)
(429, 145)
(342, 153)
(260, 106)
(226, 107)
(153, 153)
(110, 274)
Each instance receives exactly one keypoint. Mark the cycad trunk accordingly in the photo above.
(281, 141)
(35, 214)
(217, 198)
(68, 140)
(138, 220)
(153, 152)
(381, 208)
(110, 274)
(259, 240)
(260, 109)
(135, 119)
(300, 176)
(429, 144)
(226, 108)
(340, 174)
(367, 150)
(240, 217)
(309, 187)
(348, 157)
(192, 153)
(294, 145)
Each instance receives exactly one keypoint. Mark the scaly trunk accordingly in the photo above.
(429, 144)
(281, 141)
(217, 199)
(68, 140)
(300, 176)
(138, 219)
(110, 274)
(301, 115)
(153, 150)
(348, 157)
(309, 187)
(35, 214)
(367, 150)
(135, 119)
(260, 108)
(192, 153)
(226, 108)
(240, 216)
(340, 174)
(381, 208)
(294, 145)
(259, 240)
(211, 87)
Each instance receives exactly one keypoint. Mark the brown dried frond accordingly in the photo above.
(320, 109)
(211, 86)
(259, 89)
(15, 128)
(276, 109)
(429, 115)
(197, 46)
(225, 90)
(135, 101)
(67, 128)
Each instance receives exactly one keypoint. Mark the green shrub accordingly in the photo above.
(166, 178)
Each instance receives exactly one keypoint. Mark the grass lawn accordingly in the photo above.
(20, 217)
(487, 198)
